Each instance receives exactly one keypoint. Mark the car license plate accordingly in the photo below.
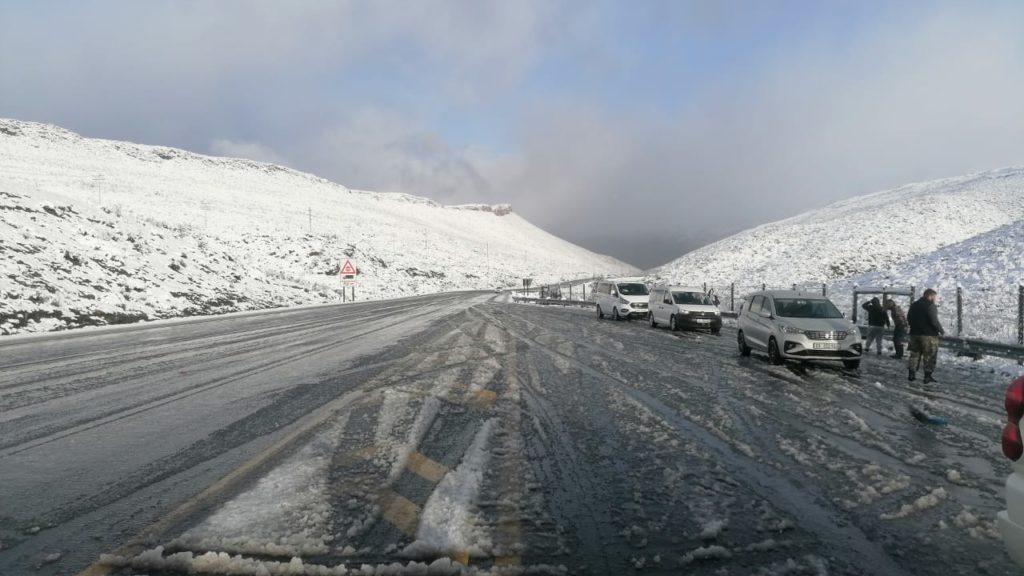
(703, 321)
(826, 346)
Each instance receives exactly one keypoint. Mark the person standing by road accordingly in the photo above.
(925, 329)
(878, 319)
(899, 326)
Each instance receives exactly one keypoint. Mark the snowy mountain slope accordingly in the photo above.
(988, 267)
(869, 233)
(97, 231)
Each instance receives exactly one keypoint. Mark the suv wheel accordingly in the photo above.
(600, 313)
(654, 323)
(672, 323)
(615, 314)
(741, 343)
(851, 364)
(773, 353)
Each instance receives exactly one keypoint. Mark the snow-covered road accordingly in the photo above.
(505, 437)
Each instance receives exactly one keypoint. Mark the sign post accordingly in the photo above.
(348, 272)
(526, 285)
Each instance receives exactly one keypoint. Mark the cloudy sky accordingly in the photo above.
(639, 129)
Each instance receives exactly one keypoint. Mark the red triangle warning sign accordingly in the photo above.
(348, 269)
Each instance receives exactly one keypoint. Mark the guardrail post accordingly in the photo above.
(855, 295)
(959, 310)
(584, 291)
(732, 296)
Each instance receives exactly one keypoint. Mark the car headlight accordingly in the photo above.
(791, 329)
(623, 300)
(684, 312)
(718, 312)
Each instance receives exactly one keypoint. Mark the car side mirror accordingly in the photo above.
(667, 301)
(614, 293)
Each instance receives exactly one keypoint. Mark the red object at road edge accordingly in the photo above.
(1013, 447)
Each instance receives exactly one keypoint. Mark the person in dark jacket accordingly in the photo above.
(878, 319)
(899, 326)
(925, 330)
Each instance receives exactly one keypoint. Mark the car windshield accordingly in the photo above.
(694, 298)
(635, 289)
(806, 308)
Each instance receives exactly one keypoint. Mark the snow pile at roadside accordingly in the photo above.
(297, 523)
(97, 231)
(219, 563)
(872, 233)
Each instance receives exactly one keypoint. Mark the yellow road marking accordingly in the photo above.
(484, 398)
(508, 531)
(211, 496)
(401, 512)
(425, 467)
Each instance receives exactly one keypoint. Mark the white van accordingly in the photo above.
(621, 298)
(681, 307)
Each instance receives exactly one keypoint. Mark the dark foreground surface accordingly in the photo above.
(505, 437)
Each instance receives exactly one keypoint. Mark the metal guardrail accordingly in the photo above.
(554, 301)
(971, 346)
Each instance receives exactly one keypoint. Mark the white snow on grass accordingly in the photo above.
(96, 232)
(286, 513)
(929, 500)
(450, 523)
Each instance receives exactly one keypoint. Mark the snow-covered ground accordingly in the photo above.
(97, 231)
(966, 231)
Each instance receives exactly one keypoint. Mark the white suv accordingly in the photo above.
(680, 307)
(624, 298)
(790, 325)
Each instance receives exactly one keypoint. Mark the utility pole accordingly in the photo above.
(97, 182)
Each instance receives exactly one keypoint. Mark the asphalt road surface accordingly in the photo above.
(507, 438)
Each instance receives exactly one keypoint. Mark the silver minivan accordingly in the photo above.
(622, 298)
(789, 325)
(680, 307)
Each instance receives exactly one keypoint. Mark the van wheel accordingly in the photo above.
(716, 331)
(773, 353)
(654, 324)
(600, 313)
(615, 314)
(851, 364)
(741, 343)
(672, 323)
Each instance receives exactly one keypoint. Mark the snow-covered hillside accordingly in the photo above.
(966, 231)
(869, 233)
(989, 268)
(97, 231)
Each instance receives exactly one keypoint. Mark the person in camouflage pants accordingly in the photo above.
(924, 350)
